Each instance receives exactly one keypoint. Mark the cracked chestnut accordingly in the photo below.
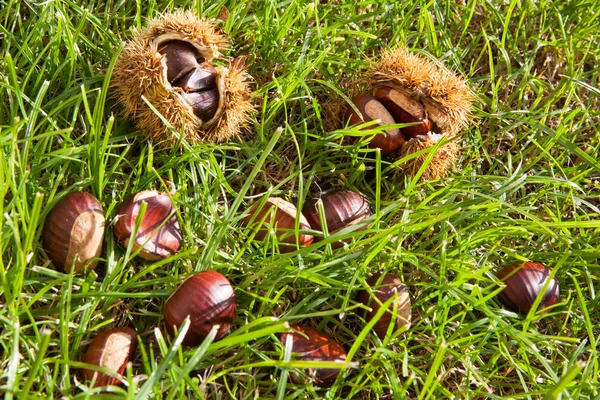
(158, 235)
(524, 282)
(73, 232)
(384, 288)
(342, 208)
(208, 299)
(279, 215)
(111, 349)
(310, 344)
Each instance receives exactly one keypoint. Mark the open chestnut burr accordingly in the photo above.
(158, 234)
(171, 64)
(384, 288)
(208, 299)
(524, 282)
(310, 344)
(281, 216)
(74, 231)
(111, 349)
(403, 88)
(342, 208)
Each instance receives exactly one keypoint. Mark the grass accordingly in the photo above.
(527, 187)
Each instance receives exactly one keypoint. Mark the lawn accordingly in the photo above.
(526, 186)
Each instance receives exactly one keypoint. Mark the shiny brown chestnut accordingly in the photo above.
(342, 208)
(404, 110)
(310, 344)
(159, 234)
(281, 215)
(383, 289)
(524, 282)
(74, 231)
(111, 349)
(208, 299)
(197, 78)
(373, 110)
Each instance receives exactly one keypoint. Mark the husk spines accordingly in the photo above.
(435, 86)
(138, 74)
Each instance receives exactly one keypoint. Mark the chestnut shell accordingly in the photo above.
(157, 239)
(74, 231)
(284, 223)
(523, 283)
(383, 289)
(310, 344)
(112, 349)
(208, 298)
(342, 208)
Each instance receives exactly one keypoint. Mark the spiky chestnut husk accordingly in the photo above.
(140, 73)
(443, 95)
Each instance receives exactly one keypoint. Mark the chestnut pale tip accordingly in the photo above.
(281, 216)
(111, 349)
(158, 235)
(74, 231)
(524, 282)
(383, 289)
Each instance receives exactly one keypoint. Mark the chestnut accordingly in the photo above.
(383, 288)
(404, 109)
(159, 234)
(524, 283)
(208, 299)
(281, 215)
(74, 231)
(372, 109)
(341, 207)
(111, 349)
(310, 344)
(197, 78)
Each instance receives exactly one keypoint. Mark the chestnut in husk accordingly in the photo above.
(310, 344)
(159, 234)
(524, 283)
(342, 208)
(383, 289)
(74, 231)
(281, 215)
(208, 299)
(111, 349)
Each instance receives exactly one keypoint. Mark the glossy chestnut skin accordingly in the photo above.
(281, 215)
(404, 110)
(196, 78)
(112, 349)
(208, 299)
(158, 239)
(524, 282)
(383, 289)
(372, 109)
(391, 106)
(310, 344)
(74, 231)
(342, 208)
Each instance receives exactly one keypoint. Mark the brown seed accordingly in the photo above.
(310, 344)
(383, 289)
(208, 299)
(281, 215)
(111, 349)
(159, 234)
(524, 282)
(74, 231)
(404, 110)
(342, 208)
(372, 109)
(198, 80)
